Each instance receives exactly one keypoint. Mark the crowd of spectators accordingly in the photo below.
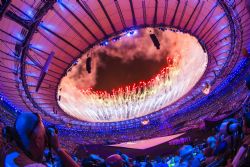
(228, 147)
(29, 143)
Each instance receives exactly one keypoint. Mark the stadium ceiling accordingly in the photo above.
(33, 31)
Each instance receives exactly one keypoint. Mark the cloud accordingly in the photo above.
(127, 49)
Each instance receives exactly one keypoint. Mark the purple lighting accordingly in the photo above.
(31, 30)
(30, 13)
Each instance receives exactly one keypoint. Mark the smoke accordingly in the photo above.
(188, 56)
(79, 76)
(138, 45)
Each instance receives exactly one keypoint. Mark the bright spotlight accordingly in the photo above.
(206, 89)
(131, 33)
(145, 122)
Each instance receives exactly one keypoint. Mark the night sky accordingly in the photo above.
(116, 73)
(125, 62)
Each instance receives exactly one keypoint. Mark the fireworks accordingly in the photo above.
(185, 67)
(128, 102)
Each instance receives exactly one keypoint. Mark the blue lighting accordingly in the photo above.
(104, 43)
(131, 33)
(220, 16)
(31, 74)
(69, 5)
(225, 43)
(30, 13)
(116, 39)
(20, 37)
(8, 106)
(60, 5)
(47, 27)
(34, 46)
(223, 26)
(162, 28)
